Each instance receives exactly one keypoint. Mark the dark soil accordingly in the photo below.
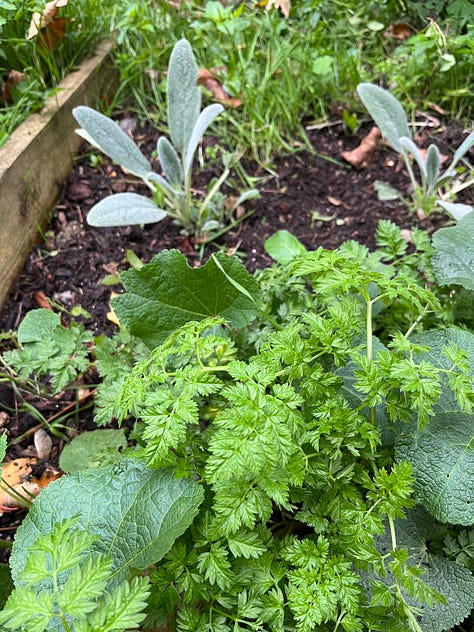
(314, 195)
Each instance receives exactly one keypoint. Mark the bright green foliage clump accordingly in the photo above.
(62, 582)
(320, 431)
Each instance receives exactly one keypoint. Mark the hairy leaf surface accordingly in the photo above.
(184, 98)
(386, 111)
(136, 512)
(107, 136)
(442, 456)
(453, 262)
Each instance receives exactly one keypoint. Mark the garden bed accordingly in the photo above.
(316, 196)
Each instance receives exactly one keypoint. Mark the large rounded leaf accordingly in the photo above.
(137, 513)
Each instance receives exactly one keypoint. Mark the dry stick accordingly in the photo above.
(67, 408)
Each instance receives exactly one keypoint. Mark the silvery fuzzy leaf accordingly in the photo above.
(107, 136)
(433, 161)
(184, 97)
(408, 146)
(169, 160)
(124, 209)
(386, 111)
(462, 149)
(204, 120)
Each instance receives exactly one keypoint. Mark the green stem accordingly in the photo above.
(213, 191)
(370, 348)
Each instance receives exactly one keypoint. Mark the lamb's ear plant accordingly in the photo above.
(435, 187)
(187, 125)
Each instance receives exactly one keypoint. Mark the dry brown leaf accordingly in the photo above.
(42, 301)
(27, 476)
(43, 444)
(111, 315)
(334, 201)
(283, 5)
(208, 79)
(399, 31)
(13, 79)
(361, 155)
(40, 20)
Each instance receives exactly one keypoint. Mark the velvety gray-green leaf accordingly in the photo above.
(283, 247)
(124, 209)
(184, 97)
(163, 183)
(169, 161)
(453, 261)
(137, 513)
(433, 161)
(455, 209)
(109, 138)
(93, 449)
(37, 325)
(442, 456)
(385, 192)
(409, 147)
(166, 293)
(204, 120)
(462, 149)
(386, 111)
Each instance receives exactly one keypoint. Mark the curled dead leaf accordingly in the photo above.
(22, 479)
(398, 31)
(283, 5)
(363, 153)
(209, 79)
(39, 20)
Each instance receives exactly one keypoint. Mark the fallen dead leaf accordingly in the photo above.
(21, 479)
(209, 79)
(111, 315)
(4, 418)
(39, 20)
(13, 79)
(361, 155)
(283, 5)
(42, 301)
(399, 31)
(43, 444)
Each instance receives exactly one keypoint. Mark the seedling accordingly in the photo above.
(435, 187)
(187, 125)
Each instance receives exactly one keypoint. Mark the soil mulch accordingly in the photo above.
(314, 195)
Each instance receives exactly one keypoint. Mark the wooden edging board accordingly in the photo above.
(37, 158)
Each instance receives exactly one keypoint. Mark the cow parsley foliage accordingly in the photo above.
(307, 439)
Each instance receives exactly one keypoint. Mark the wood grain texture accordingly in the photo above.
(38, 157)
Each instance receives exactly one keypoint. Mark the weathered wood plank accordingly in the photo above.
(38, 157)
